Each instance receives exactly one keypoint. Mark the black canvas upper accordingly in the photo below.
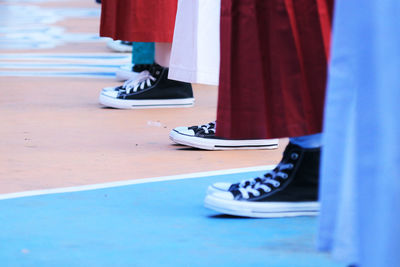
(297, 175)
(141, 67)
(161, 88)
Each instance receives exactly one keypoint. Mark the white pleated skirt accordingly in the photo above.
(195, 52)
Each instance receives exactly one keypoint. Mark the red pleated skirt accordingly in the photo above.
(273, 68)
(138, 20)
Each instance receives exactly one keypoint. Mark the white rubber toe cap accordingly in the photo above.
(105, 89)
(223, 195)
(111, 93)
(218, 187)
(222, 186)
(184, 130)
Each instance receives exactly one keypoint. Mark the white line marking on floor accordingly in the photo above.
(38, 65)
(81, 57)
(132, 182)
(86, 74)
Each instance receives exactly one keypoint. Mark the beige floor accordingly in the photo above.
(53, 132)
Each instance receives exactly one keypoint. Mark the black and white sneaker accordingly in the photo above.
(203, 137)
(131, 72)
(151, 89)
(190, 131)
(120, 46)
(290, 190)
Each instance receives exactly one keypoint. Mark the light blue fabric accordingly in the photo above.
(142, 53)
(360, 175)
(308, 141)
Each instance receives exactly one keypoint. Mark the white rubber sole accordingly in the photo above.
(141, 104)
(261, 209)
(222, 144)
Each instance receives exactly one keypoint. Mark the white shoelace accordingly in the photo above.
(144, 78)
(211, 126)
(254, 186)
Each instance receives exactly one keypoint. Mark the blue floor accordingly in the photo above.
(152, 224)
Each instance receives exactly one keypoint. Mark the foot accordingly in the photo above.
(203, 137)
(151, 89)
(191, 131)
(291, 189)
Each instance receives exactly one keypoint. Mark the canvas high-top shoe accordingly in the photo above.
(152, 89)
(291, 189)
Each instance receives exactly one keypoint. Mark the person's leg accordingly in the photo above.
(138, 20)
(151, 88)
(272, 82)
(259, 101)
(273, 87)
(163, 54)
(195, 58)
(142, 53)
(313, 141)
(195, 48)
(360, 186)
(290, 189)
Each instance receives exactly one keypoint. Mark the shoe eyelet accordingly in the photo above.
(294, 156)
(277, 184)
(290, 166)
(285, 176)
